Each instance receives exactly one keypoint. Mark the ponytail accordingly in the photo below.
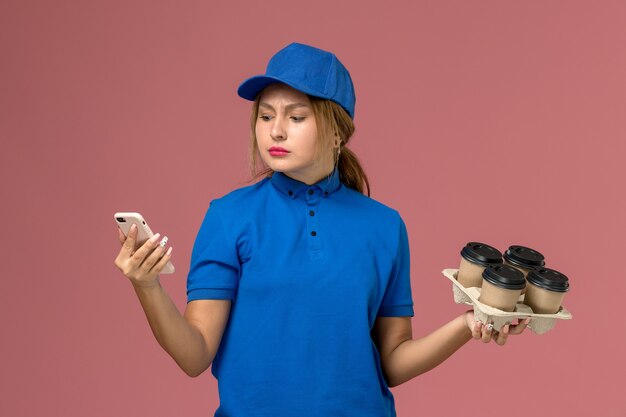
(334, 123)
(351, 173)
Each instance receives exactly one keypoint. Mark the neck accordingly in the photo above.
(310, 179)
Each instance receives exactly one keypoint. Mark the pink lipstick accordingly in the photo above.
(278, 151)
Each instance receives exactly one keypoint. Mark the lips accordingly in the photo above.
(278, 151)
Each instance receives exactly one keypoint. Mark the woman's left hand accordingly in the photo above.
(486, 332)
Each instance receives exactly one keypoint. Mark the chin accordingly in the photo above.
(278, 167)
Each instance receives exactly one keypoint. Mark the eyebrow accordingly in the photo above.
(287, 107)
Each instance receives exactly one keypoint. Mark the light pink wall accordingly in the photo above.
(495, 121)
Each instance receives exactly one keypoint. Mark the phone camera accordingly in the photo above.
(121, 219)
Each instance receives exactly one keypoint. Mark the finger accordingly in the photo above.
(129, 242)
(487, 332)
(519, 328)
(503, 334)
(476, 330)
(125, 254)
(146, 249)
(158, 267)
(154, 257)
(121, 236)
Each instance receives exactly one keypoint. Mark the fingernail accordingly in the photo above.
(163, 241)
(133, 227)
(155, 238)
(527, 320)
(489, 327)
(505, 329)
(169, 251)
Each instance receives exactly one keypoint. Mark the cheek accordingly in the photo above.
(311, 138)
(261, 136)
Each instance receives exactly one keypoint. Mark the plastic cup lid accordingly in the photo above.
(505, 276)
(549, 279)
(524, 257)
(480, 253)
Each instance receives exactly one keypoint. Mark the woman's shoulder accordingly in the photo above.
(241, 197)
(371, 206)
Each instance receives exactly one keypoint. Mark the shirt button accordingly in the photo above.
(313, 233)
(311, 213)
(310, 192)
(290, 192)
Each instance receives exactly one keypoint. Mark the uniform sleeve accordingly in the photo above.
(398, 299)
(214, 269)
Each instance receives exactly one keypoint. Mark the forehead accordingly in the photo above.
(282, 92)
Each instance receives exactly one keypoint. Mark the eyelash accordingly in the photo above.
(296, 119)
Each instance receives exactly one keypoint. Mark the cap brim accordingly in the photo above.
(251, 87)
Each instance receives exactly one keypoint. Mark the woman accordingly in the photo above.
(299, 293)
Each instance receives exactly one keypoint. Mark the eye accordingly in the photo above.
(297, 119)
(265, 117)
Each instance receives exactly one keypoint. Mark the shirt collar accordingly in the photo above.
(292, 188)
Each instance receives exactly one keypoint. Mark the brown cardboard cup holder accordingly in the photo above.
(539, 323)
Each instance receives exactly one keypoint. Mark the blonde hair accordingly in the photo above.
(332, 122)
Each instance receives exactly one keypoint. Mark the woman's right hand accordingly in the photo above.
(141, 265)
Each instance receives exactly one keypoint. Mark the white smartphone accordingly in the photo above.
(125, 220)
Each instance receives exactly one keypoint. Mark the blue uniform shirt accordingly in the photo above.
(308, 269)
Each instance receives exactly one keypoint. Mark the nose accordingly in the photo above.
(278, 132)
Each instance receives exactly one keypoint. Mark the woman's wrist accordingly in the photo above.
(467, 320)
(145, 288)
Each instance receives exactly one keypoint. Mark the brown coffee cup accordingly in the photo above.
(523, 258)
(475, 257)
(502, 286)
(546, 290)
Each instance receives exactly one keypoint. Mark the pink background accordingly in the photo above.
(495, 121)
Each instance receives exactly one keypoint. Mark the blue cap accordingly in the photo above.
(310, 70)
